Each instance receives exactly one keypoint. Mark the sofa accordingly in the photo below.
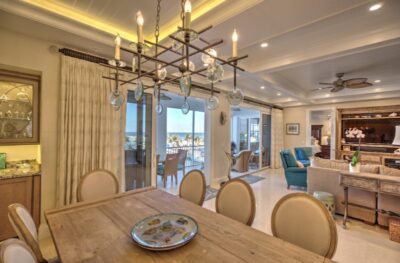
(295, 176)
(324, 175)
(303, 155)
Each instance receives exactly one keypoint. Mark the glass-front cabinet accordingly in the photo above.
(19, 108)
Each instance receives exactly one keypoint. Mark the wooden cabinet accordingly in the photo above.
(24, 190)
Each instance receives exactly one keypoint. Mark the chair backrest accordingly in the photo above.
(23, 224)
(182, 156)
(171, 164)
(97, 184)
(303, 153)
(236, 200)
(16, 251)
(304, 221)
(288, 159)
(193, 187)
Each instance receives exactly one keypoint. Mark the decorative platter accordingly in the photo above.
(164, 231)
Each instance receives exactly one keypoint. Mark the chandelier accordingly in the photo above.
(183, 46)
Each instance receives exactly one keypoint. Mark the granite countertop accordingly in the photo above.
(20, 169)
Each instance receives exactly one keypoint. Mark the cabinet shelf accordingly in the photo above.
(372, 145)
(371, 118)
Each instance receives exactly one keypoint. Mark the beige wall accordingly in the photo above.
(298, 115)
(32, 55)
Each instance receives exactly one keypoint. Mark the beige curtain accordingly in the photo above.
(92, 134)
(277, 133)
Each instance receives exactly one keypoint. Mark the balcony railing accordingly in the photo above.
(195, 153)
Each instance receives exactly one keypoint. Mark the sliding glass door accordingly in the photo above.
(266, 140)
(138, 142)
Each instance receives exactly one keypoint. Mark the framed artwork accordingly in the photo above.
(19, 108)
(292, 128)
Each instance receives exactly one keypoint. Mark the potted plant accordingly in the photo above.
(354, 165)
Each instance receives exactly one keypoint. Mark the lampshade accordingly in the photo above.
(396, 140)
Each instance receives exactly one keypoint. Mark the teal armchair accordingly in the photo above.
(294, 175)
(303, 155)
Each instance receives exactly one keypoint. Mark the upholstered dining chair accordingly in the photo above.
(25, 227)
(97, 184)
(304, 221)
(169, 167)
(236, 200)
(193, 187)
(16, 251)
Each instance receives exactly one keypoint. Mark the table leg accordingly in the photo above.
(346, 206)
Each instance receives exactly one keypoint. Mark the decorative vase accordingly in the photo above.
(354, 169)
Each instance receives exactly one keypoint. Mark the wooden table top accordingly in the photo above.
(100, 232)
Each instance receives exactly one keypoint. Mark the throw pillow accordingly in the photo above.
(389, 171)
(369, 168)
(300, 164)
(290, 160)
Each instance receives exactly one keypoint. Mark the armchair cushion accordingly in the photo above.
(289, 159)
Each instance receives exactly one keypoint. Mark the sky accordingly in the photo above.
(176, 120)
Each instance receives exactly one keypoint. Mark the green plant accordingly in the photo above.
(355, 158)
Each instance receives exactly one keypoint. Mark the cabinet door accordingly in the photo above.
(16, 190)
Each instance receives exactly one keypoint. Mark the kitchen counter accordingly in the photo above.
(20, 169)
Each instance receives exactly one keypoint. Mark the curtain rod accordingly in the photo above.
(104, 62)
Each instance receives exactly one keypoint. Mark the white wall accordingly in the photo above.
(32, 55)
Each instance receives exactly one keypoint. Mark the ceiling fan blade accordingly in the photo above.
(337, 88)
(355, 81)
(324, 83)
(359, 85)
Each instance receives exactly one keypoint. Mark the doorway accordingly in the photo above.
(321, 132)
(138, 142)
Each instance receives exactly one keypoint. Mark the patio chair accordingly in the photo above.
(242, 161)
(182, 160)
(169, 168)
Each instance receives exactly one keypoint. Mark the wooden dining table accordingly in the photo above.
(100, 231)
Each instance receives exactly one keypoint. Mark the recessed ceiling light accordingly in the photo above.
(264, 44)
(278, 94)
(327, 95)
(377, 81)
(375, 7)
(262, 87)
(377, 89)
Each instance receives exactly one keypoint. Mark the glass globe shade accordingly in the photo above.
(192, 67)
(159, 108)
(212, 102)
(207, 59)
(185, 85)
(139, 91)
(185, 108)
(215, 72)
(235, 97)
(161, 72)
(116, 99)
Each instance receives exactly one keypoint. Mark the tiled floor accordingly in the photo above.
(359, 243)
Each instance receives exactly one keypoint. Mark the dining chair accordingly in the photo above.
(304, 221)
(169, 168)
(23, 224)
(97, 184)
(236, 200)
(182, 160)
(193, 187)
(16, 251)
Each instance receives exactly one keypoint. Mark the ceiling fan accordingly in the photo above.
(340, 84)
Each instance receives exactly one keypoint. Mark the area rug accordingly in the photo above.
(251, 179)
(248, 178)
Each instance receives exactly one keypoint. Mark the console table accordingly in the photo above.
(377, 183)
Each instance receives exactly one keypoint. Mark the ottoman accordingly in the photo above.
(327, 199)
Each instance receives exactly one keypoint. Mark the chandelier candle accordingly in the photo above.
(139, 22)
(234, 43)
(188, 14)
(117, 54)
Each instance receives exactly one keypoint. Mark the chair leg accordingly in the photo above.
(165, 181)
(176, 178)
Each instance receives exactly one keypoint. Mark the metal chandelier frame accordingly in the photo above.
(188, 51)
